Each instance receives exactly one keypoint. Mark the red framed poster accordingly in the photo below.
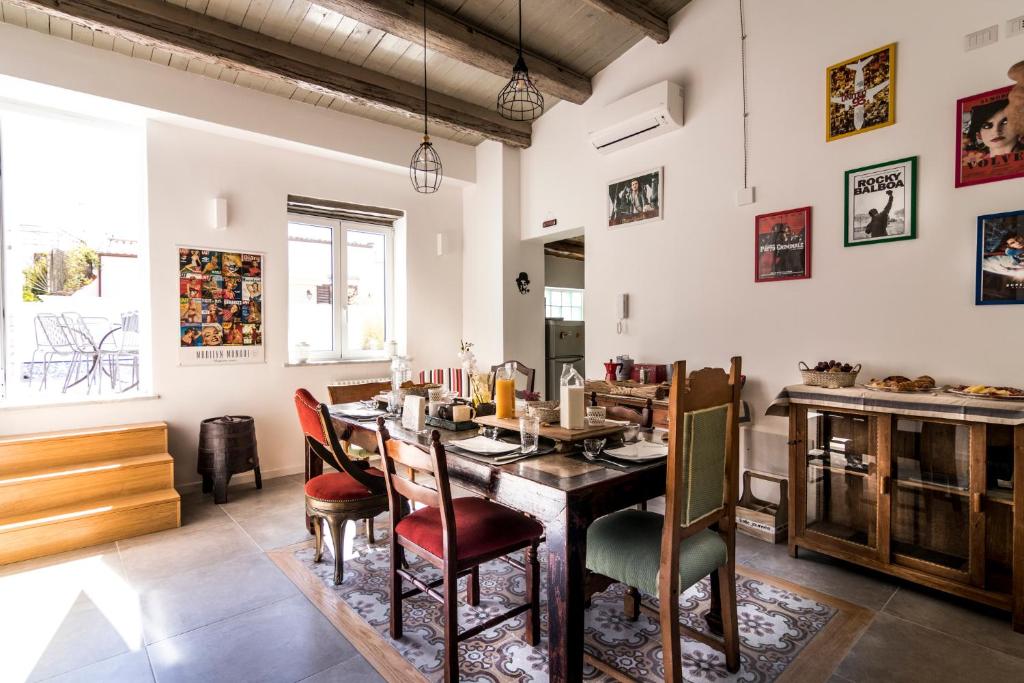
(987, 149)
(782, 245)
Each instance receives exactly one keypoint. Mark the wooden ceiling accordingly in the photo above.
(364, 57)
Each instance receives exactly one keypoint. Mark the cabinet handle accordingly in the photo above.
(976, 503)
(886, 485)
(794, 442)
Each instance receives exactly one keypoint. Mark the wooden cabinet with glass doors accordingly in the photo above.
(927, 500)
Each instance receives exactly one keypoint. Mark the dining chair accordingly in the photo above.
(529, 373)
(641, 416)
(360, 390)
(52, 341)
(355, 491)
(456, 536)
(663, 555)
(452, 379)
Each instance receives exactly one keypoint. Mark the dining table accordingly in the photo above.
(562, 489)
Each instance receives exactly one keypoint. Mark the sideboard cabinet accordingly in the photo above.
(929, 500)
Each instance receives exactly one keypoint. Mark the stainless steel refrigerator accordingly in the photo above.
(564, 344)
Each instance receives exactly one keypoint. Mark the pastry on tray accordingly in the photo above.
(899, 383)
(986, 391)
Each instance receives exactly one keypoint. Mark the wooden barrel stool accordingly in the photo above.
(227, 446)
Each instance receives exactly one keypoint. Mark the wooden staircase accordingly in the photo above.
(65, 490)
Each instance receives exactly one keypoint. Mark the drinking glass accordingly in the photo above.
(630, 433)
(593, 447)
(596, 416)
(529, 433)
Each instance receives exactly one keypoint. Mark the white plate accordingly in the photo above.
(641, 451)
(481, 445)
(358, 413)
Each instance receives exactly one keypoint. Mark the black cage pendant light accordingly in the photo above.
(425, 169)
(520, 100)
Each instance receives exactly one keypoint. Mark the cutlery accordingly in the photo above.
(594, 458)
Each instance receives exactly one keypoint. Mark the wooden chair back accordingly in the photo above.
(326, 443)
(520, 369)
(402, 488)
(709, 397)
(350, 393)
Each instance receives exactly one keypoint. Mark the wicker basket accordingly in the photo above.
(828, 380)
(418, 390)
(545, 411)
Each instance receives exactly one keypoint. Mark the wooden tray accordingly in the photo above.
(449, 425)
(553, 432)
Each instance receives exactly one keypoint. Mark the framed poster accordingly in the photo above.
(782, 245)
(220, 299)
(987, 149)
(881, 203)
(860, 94)
(635, 199)
(1000, 261)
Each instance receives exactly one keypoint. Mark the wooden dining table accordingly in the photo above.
(562, 490)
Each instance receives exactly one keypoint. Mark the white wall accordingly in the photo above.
(904, 307)
(186, 169)
(563, 272)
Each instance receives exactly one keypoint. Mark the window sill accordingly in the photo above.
(6, 405)
(339, 361)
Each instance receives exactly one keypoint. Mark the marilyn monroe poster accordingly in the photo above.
(635, 199)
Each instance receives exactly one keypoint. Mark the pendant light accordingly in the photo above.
(520, 100)
(425, 169)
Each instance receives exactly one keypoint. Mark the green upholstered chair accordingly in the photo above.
(663, 555)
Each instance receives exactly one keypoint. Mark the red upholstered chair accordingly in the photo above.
(355, 491)
(456, 536)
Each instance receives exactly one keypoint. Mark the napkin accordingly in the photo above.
(641, 450)
(481, 445)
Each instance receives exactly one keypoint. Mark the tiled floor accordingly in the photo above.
(203, 603)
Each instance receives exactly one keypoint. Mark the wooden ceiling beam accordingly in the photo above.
(637, 15)
(159, 24)
(456, 38)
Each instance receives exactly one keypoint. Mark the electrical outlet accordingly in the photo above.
(982, 38)
(1015, 26)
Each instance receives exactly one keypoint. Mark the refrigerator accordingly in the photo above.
(563, 344)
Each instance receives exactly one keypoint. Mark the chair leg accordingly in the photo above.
(370, 540)
(337, 527)
(714, 616)
(730, 622)
(533, 596)
(397, 560)
(318, 542)
(631, 603)
(669, 617)
(451, 626)
(473, 587)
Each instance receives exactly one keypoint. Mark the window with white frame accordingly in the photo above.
(340, 288)
(75, 275)
(562, 302)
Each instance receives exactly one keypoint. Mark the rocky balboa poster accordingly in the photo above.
(881, 202)
(220, 298)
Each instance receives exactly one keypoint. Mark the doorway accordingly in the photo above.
(564, 307)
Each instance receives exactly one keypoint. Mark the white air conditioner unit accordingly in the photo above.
(641, 116)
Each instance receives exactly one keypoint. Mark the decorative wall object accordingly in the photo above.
(1000, 261)
(860, 93)
(635, 199)
(221, 307)
(881, 202)
(523, 283)
(988, 146)
(782, 245)
(1016, 112)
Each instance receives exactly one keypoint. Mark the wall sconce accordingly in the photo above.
(219, 213)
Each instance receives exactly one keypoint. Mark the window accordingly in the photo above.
(74, 270)
(563, 303)
(323, 322)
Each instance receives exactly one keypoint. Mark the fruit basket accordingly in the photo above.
(834, 375)
(546, 411)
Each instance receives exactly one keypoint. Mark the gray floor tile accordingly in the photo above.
(275, 495)
(834, 577)
(199, 510)
(195, 598)
(85, 636)
(131, 667)
(355, 670)
(275, 529)
(285, 641)
(150, 558)
(973, 623)
(899, 651)
(106, 551)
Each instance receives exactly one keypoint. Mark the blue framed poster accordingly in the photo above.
(1000, 260)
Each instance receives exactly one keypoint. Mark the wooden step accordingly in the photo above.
(34, 452)
(62, 485)
(69, 527)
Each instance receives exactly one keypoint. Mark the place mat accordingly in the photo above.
(640, 451)
(561, 466)
(786, 631)
(481, 445)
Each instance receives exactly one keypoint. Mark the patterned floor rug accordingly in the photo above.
(787, 632)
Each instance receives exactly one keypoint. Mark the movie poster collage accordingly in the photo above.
(881, 199)
(221, 298)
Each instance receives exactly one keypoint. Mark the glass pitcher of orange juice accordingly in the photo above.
(505, 392)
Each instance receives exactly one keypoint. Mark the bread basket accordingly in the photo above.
(828, 380)
(545, 411)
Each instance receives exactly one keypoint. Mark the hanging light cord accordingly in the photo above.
(746, 113)
(425, 68)
(520, 28)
